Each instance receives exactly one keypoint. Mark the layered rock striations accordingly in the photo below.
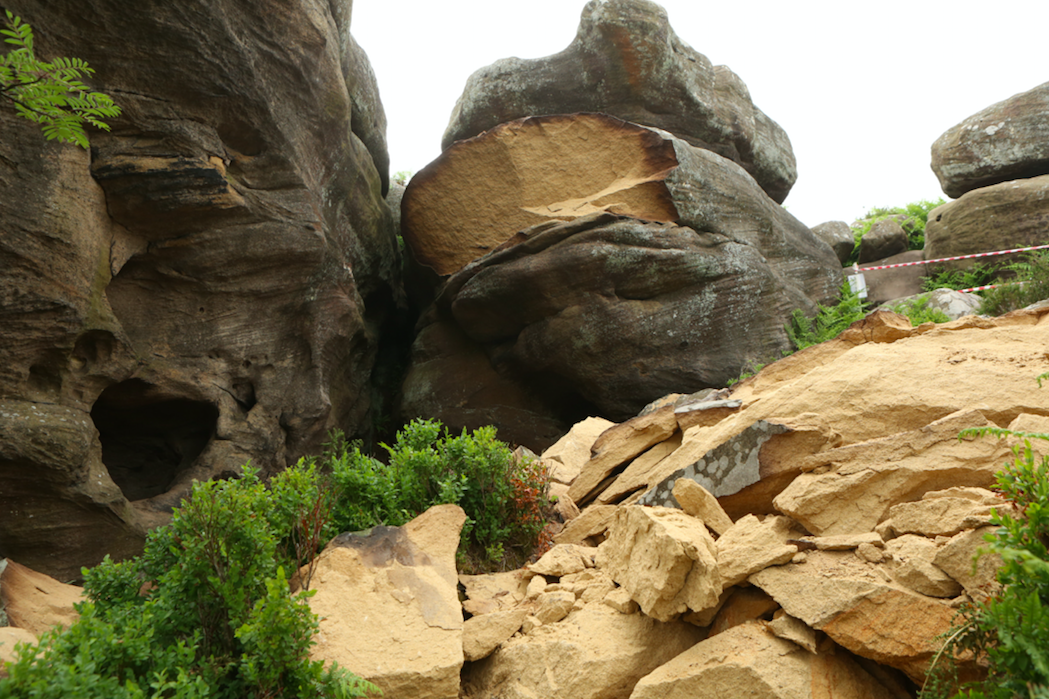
(205, 286)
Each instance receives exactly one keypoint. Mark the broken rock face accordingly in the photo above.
(627, 61)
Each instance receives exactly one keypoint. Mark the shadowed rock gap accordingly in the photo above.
(146, 441)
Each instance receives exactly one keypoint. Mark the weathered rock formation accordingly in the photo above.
(649, 266)
(627, 61)
(1006, 141)
(996, 163)
(205, 285)
(1002, 216)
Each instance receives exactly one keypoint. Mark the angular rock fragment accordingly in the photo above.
(698, 502)
(913, 566)
(749, 661)
(665, 558)
(37, 602)
(836, 593)
(595, 653)
(965, 558)
(389, 605)
(751, 545)
(483, 634)
(870, 477)
(572, 451)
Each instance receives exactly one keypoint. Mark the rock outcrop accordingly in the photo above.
(584, 309)
(204, 286)
(627, 61)
(1006, 141)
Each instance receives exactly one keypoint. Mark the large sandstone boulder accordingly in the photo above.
(1007, 141)
(389, 605)
(1003, 216)
(879, 378)
(201, 288)
(627, 61)
(594, 653)
(36, 602)
(749, 661)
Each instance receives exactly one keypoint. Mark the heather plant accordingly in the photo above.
(504, 497)
(1009, 631)
(205, 611)
(50, 94)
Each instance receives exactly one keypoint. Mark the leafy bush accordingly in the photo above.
(917, 214)
(829, 322)
(205, 611)
(1031, 284)
(50, 94)
(504, 498)
(1011, 629)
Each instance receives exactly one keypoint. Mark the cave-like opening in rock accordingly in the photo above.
(148, 439)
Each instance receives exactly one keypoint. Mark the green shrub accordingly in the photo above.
(978, 275)
(1031, 284)
(216, 618)
(1011, 629)
(917, 311)
(829, 322)
(504, 498)
(917, 214)
(50, 94)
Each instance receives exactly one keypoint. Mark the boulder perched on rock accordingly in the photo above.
(389, 605)
(1006, 141)
(205, 285)
(1003, 216)
(627, 61)
(584, 311)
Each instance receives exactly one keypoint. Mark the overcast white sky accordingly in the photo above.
(862, 89)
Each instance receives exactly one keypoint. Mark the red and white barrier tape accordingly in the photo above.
(857, 269)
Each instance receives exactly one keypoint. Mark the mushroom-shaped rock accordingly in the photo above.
(627, 61)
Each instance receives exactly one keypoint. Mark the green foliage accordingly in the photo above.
(503, 497)
(829, 322)
(403, 177)
(50, 94)
(1031, 285)
(977, 275)
(917, 214)
(204, 612)
(917, 311)
(1010, 630)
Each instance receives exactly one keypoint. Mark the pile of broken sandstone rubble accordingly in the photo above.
(809, 535)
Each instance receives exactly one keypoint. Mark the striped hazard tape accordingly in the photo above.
(857, 269)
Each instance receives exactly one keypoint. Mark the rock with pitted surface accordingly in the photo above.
(627, 61)
(204, 286)
(1006, 141)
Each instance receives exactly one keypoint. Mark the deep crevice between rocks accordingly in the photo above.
(147, 440)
